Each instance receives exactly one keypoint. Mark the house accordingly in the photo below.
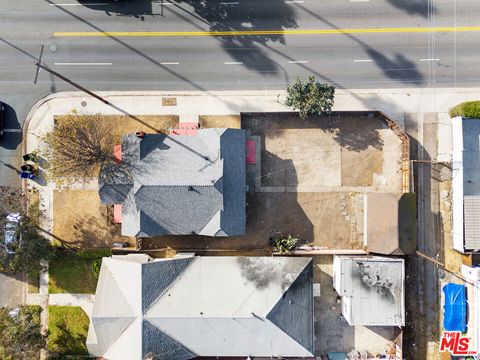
(189, 307)
(372, 289)
(179, 184)
(466, 184)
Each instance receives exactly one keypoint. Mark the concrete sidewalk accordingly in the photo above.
(188, 105)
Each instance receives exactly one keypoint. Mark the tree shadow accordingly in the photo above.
(397, 67)
(414, 7)
(68, 342)
(137, 9)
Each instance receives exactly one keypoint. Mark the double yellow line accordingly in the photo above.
(264, 32)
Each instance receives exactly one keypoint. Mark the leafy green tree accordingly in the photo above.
(310, 97)
(20, 335)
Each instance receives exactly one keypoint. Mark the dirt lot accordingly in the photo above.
(219, 121)
(79, 219)
(333, 151)
(121, 124)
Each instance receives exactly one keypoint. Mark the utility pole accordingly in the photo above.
(40, 65)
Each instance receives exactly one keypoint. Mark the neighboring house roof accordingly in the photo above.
(203, 306)
(466, 184)
(180, 184)
(372, 289)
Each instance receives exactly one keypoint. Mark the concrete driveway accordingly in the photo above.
(12, 291)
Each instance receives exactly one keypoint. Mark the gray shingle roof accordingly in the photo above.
(180, 184)
(204, 306)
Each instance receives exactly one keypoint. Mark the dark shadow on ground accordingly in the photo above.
(414, 7)
(344, 126)
(10, 140)
(135, 8)
(397, 68)
(251, 15)
(422, 276)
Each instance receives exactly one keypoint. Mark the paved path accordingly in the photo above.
(12, 290)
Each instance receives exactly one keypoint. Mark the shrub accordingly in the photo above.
(310, 97)
(468, 109)
(284, 243)
(96, 264)
(94, 253)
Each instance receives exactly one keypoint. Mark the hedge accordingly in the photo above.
(468, 109)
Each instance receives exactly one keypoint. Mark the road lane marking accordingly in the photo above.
(229, 3)
(12, 130)
(169, 63)
(264, 32)
(429, 59)
(355, 1)
(298, 62)
(81, 64)
(294, 2)
(233, 62)
(76, 4)
(363, 60)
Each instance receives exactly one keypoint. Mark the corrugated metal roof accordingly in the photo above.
(471, 206)
(374, 287)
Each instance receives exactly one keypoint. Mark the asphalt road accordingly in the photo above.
(234, 60)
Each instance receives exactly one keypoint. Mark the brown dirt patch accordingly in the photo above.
(219, 121)
(122, 125)
(79, 219)
(337, 150)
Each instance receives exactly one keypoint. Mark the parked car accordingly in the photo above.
(2, 110)
(11, 233)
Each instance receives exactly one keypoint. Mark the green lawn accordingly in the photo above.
(67, 330)
(69, 273)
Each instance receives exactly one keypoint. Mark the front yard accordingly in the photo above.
(70, 273)
(67, 330)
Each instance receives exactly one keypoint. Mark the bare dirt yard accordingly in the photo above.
(79, 219)
(219, 121)
(325, 164)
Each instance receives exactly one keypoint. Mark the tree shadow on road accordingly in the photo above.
(414, 7)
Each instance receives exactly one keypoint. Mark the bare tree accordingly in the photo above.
(78, 147)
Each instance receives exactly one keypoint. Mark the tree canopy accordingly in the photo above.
(310, 97)
(77, 148)
(20, 334)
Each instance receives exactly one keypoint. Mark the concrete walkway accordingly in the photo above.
(44, 299)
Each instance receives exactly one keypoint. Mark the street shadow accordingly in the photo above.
(389, 66)
(414, 7)
(249, 16)
(137, 9)
(11, 139)
(396, 68)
